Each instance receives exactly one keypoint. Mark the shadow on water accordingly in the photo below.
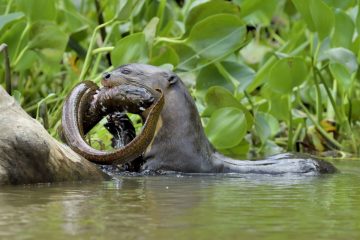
(187, 207)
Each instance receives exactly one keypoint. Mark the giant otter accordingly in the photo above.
(180, 143)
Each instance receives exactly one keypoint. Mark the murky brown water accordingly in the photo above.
(188, 207)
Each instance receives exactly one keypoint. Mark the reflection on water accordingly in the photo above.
(188, 207)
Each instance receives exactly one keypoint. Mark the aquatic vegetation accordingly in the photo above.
(267, 76)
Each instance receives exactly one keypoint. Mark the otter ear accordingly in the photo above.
(172, 79)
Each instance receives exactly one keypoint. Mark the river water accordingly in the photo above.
(188, 207)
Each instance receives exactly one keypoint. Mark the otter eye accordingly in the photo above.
(125, 71)
(172, 79)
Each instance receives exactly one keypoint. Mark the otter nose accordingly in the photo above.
(106, 76)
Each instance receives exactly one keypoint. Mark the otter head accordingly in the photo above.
(136, 73)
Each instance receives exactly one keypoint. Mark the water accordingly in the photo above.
(188, 207)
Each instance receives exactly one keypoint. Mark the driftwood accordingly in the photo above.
(28, 154)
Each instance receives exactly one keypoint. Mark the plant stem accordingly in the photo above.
(35, 106)
(43, 114)
(318, 96)
(23, 34)
(290, 126)
(319, 128)
(103, 34)
(20, 55)
(297, 132)
(328, 92)
(227, 75)
(102, 50)
(8, 6)
(4, 49)
(88, 57)
(247, 95)
(98, 58)
(160, 13)
(169, 40)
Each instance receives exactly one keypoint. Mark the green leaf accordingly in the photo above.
(17, 95)
(344, 57)
(357, 21)
(270, 148)
(130, 49)
(266, 126)
(27, 61)
(344, 30)
(241, 72)
(188, 58)
(258, 11)
(49, 43)
(226, 127)
(150, 30)
(323, 18)
(342, 75)
(9, 18)
(217, 36)
(45, 34)
(164, 55)
(217, 97)
(279, 107)
(309, 93)
(239, 151)
(38, 9)
(209, 77)
(317, 15)
(303, 6)
(71, 18)
(343, 4)
(12, 36)
(207, 9)
(286, 74)
(126, 8)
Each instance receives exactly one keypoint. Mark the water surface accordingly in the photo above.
(188, 207)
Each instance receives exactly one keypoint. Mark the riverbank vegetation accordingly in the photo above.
(267, 76)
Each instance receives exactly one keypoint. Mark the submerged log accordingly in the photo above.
(28, 154)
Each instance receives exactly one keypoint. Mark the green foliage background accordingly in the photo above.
(267, 76)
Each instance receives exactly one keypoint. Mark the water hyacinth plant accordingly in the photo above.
(267, 76)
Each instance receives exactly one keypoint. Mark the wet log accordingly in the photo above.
(28, 154)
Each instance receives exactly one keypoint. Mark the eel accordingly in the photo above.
(81, 112)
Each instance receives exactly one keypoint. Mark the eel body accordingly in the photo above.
(80, 114)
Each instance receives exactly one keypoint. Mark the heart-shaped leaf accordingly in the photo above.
(344, 30)
(266, 126)
(150, 30)
(258, 12)
(164, 55)
(36, 10)
(317, 15)
(207, 9)
(49, 43)
(217, 36)
(286, 74)
(226, 127)
(218, 97)
(130, 49)
(209, 77)
(240, 72)
(44, 34)
(10, 18)
(342, 75)
(240, 151)
(344, 57)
